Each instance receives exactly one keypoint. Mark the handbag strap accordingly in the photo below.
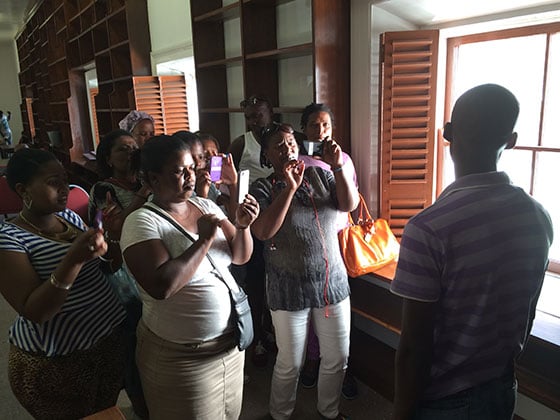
(226, 279)
(362, 211)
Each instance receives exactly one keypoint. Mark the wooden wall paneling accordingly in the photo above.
(261, 59)
(261, 78)
(331, 37)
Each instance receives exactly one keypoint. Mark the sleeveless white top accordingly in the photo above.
(251, 159)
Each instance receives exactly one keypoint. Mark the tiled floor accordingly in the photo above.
(368, 405)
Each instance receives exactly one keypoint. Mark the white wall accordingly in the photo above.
(170, 30)
(10, 96)
(367, 22)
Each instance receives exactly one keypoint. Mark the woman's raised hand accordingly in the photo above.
(293, 172)
(88, 245)
(203, 181)
(246, 212)
(208, 226)
(229, 173)
(332, 153)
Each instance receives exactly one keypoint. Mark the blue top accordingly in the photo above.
(481, 252)
(304, 266)
(5, 129)
(91, 310)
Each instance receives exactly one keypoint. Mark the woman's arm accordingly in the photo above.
(38, 300)
(346, 190)
(238, 233)
(271, 219)
(160, 275)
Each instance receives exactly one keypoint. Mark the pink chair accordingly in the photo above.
(78, 200)
(10, 202)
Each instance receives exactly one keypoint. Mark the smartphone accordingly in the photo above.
(215, 168)
(98, 220)
(313, 148)
(242, 185)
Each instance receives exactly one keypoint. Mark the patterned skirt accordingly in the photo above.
(72, 386)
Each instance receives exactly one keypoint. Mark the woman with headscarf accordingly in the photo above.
(140, 124)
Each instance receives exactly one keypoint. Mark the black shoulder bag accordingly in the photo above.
(239, 300)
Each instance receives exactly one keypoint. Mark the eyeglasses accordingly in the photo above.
(276, 127)
(252, 100)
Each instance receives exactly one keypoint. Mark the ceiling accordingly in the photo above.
(13, 13)
(12, 16)
(438, 12)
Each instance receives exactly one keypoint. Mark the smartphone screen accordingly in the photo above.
(243, 185)
(215, 168)
(313, 148)
(98, 221)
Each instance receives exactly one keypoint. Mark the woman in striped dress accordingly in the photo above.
(66, 346)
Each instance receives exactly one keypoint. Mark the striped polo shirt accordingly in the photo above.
(91, 310)
(481, 252)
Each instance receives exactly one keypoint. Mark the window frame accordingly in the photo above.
(455, 42)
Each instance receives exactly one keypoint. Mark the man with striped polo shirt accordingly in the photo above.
(470, 272)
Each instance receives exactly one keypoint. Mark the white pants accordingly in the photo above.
(291, 338)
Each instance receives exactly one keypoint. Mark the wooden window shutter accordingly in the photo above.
(165, 99)
(30, 120)
(93, 91)
(407, 124)
(175, 107)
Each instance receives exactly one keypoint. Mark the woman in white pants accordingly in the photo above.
(306, 277)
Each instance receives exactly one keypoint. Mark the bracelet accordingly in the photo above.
(55, 283)
(239, 227)
(107, 260)
(109, 240)
(337, 169)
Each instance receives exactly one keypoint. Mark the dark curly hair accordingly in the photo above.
(157, 150)
(104, 151)
(24, 165)
(311, 109)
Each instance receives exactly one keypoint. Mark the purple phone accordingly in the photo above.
(216, 168)
(98, 221)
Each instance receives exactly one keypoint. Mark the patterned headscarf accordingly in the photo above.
(132, 119)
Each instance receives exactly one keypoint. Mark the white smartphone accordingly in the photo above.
(242, 185)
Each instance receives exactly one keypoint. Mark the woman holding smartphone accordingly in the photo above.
(187, 354)
(118, 195)
(306, 278)
(66, 345)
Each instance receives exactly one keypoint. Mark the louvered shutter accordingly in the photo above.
(407, 124)
(165, 99)
(175, 108)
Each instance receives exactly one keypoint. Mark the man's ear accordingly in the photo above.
(448, 132)
(512, 141)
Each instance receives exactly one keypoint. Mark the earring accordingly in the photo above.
(27, 201)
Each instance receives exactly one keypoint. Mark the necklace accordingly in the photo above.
(69, 234)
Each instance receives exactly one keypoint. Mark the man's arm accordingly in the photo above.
(236, 149)
(414, 356)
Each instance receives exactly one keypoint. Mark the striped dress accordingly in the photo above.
(91, 311)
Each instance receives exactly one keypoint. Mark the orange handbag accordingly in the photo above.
(367, 245)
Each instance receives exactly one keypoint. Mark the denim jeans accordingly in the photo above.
(493, 400)
(291, 338)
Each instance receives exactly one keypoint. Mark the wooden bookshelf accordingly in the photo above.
(58, 44)
(244, 47)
